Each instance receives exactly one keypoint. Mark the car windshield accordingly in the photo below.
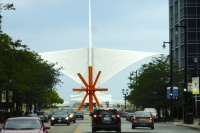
(41, 113)
(22, 124)
(142, 114)
(59, 113)
(150, 110)
(79, 112)
(69, 110)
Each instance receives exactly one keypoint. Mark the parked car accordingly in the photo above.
(129, 116)
(60, 117)
(142, 119)
(43, 116)
(125, 112)
(24, 125)
(106, 119)
(153, 111)
(72, 114)
(79, 114)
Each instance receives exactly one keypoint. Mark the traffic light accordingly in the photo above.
(184, 89)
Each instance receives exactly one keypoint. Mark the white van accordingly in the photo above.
(153, 112)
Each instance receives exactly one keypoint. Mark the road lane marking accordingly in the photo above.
(79, 128)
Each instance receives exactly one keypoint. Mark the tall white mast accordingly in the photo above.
(90, 37)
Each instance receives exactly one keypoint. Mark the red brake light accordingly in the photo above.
(95, 116)
(150, 118)
(134, 118)
(117, 116)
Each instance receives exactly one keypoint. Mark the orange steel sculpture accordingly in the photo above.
(89, 89)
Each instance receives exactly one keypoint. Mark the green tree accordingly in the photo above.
(150, 89)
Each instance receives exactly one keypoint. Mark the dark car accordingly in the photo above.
(106, 119)
(72, 114)
(24, 125)
(129, 116)
(60, 117)
(49, 113)
(79, 114)
(43, 116)
(142, 119)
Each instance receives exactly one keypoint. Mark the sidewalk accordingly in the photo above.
(195, 125)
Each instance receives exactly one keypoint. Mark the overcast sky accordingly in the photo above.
(54, 25)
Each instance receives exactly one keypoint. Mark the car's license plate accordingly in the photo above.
(142, 119)
(59, 120)
(78, 115)
(106, 118)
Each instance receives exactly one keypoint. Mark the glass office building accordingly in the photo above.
(185, 13)
(184, 30)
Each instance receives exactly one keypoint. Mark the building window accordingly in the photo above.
(192, 48)
(198, 38)
(198, 11)
(191, 1)
(191, 23)
(198, 23)
(191, 12)
(191, 36)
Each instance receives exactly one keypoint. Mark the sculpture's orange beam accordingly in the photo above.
(83, 80)
(80, 90)
(80, 106)
(90, 88)
(97, 78)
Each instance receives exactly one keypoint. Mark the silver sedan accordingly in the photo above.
(142, 119)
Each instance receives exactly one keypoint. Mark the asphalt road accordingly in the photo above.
(84, 126)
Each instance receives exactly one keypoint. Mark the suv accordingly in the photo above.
(72, 115)
(153, 112)
(106, 119)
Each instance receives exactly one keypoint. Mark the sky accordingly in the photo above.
(55, 25)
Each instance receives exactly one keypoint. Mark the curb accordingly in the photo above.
(197, 128)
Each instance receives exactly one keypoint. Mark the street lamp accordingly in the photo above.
(185, 79)
(171, 81)
(125, 92)
(166, 81)
(196, 67)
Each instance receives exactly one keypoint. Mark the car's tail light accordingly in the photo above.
(135, 118)
(95, 116)
(117, 116)
(150, 118)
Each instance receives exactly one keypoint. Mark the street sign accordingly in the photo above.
(175, 92)
(195, 85)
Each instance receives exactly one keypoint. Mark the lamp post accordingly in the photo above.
(196, 68)
(166, 81)
(125, 92)
(185, 76)
(171, 81)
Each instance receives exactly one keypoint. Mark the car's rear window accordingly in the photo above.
(110, 112)
(150, 110)
(22, 124)
(142, 114)
(127, 111)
